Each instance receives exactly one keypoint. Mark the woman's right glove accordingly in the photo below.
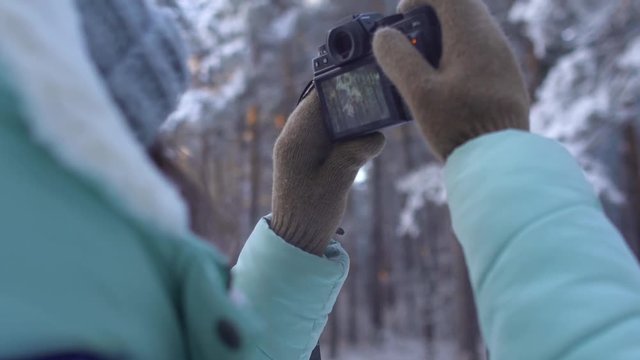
(478, 87)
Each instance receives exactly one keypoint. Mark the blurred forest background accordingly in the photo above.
(407, 296)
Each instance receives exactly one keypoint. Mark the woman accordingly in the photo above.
(97, 260)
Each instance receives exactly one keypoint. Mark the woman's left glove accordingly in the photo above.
(312, 177)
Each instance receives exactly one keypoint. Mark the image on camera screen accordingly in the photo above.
(356, 98)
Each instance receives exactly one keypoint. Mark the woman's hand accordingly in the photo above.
(478, 87)
(312, 177)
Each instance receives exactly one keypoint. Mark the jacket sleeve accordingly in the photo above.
(553, 279)
(291, 290)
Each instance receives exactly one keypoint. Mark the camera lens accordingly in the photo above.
(341, 45)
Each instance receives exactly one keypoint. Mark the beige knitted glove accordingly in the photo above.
(478, 87)
(312, 177)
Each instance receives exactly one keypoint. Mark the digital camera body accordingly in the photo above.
(356, 97)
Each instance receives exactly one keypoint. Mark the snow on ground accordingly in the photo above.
(397, 349)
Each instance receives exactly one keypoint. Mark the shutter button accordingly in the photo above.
(228, 334)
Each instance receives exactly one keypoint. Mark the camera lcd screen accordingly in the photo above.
(355, 99)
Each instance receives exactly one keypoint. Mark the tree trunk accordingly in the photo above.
(632, 160)
(353, 292)
(467, 323)
(253, 121)
(377, 295)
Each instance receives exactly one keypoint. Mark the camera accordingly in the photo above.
(356, 97)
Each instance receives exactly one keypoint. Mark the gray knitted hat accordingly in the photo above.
(139, 53)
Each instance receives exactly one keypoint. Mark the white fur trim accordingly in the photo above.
(72, 114)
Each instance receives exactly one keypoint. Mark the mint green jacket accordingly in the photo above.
(95, 251)
(553, 279)
(78, 273)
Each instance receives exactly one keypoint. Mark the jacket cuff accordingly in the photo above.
(292, 290)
